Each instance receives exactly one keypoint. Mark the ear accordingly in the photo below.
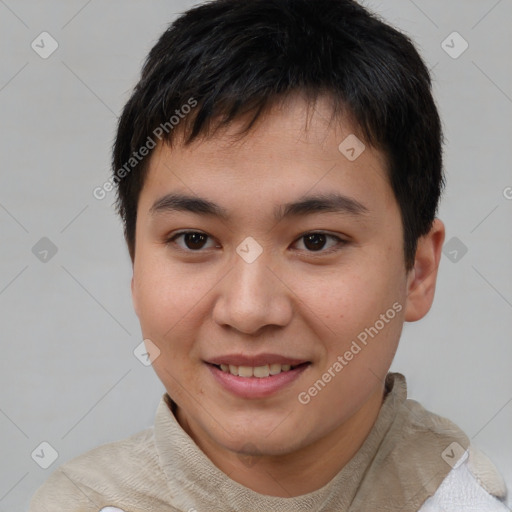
(134, 297)
(421, 280)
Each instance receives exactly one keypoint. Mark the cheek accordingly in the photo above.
(172, 303)
(354, 304)
(165, 295)
(342, 299)
(165, 304)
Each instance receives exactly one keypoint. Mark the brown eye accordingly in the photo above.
(314, 241)
(194, 240)
(191, 241)
(321, 243)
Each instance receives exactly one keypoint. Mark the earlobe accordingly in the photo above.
(421, 281)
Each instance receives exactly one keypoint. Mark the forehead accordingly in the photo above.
(293, 150)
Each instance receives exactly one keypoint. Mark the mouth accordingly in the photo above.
(259, 372)
(256, 382)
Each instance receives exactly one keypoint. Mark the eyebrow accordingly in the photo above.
(320, 203)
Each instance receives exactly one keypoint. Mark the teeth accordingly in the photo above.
(245, 371)
(275, 369)
(261, 371)
(258, 371)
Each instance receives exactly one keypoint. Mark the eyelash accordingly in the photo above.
(340, 242)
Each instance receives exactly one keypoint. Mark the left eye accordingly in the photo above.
(315, 242)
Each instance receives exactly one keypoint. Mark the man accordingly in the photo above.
(279, 167)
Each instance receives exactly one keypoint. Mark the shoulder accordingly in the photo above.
(473, 485)
(106, 471)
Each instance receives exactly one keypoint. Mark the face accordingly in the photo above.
(290, 267)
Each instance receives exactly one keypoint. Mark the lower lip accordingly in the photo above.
(255, 387)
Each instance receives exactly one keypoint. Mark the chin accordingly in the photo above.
(270, 434)
(256, 445)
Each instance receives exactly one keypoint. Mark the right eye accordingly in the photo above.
(192, 241)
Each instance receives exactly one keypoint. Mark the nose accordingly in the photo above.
(253, 296)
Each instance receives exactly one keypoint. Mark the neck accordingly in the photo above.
(301, 472)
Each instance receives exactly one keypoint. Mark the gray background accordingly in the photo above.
(69, 376)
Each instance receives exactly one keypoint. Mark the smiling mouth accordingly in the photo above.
(259, 372)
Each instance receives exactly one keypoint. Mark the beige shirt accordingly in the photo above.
(402, 462)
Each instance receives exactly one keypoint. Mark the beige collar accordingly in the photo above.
(400, 464)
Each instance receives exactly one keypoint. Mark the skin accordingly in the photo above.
(292, 300)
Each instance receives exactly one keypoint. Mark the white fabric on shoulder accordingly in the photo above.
(462, 491)
(486, 474)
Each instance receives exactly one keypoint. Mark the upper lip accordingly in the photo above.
(255, 361)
